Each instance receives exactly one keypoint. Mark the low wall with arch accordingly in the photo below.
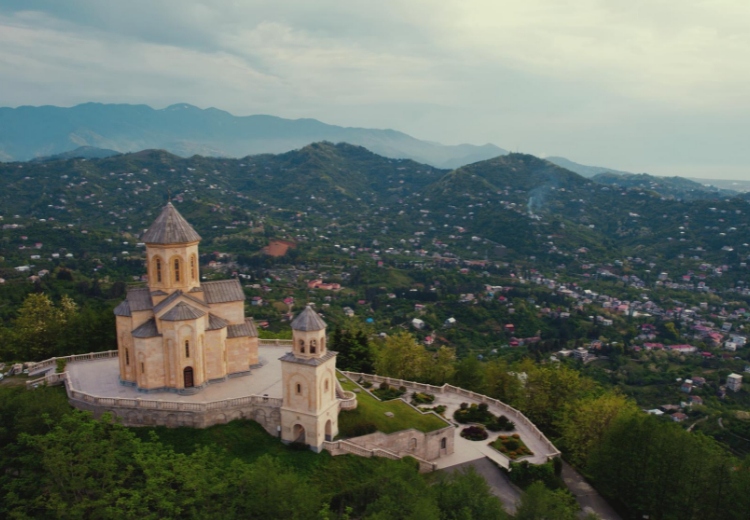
(428, 446)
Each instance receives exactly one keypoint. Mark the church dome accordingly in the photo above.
(170, 228)
(308, 320)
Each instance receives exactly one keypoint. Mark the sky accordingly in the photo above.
(657, 86)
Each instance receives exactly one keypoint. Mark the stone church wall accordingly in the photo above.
(134, 412)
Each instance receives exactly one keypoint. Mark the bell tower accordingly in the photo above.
(309, 413)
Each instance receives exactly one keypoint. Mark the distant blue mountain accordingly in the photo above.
(31, 132)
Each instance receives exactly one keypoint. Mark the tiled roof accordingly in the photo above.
(123, 309)
(147, 330)
(182, 312)
(246, 329)
(222, 291)
(170, 228)
(172, 297)
(308, 320)
(139, 299)
(215, 323)
(289, 356)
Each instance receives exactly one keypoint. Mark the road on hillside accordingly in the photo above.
(588, 498)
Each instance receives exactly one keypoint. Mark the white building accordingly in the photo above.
(734, 382)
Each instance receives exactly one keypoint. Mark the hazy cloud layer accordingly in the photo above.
(658, 85)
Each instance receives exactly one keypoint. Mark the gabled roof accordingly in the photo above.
(308, 320)
(139, 299)
(147, 330)
(182, 312)
(123, 309)
(215, 323)
(222, 291)
(175, 295)
(241, 330)
(170, 228)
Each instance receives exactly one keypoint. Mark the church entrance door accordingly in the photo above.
(188, 377)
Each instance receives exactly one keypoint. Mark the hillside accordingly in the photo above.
(582, 169)
(511, 207)
(672, 187)
(185, 130)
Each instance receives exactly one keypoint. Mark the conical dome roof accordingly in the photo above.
(308, 320)
(170, 228)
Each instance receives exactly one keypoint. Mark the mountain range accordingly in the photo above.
(31, 132)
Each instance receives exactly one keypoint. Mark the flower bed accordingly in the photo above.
(480, 414)
(474, 433)
(511, 446)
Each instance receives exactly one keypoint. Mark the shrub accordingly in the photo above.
(420, 398)
(387, 393)
(61, 366)
(464, 406)
(474, 433)
(402, 389)
(483, 407)
(367, 384)
(524, 474)
(502, 424)
(439, 409)
(384, 386)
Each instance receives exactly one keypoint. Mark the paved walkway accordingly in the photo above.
(100, 378)
(498, 481)
(588, 498)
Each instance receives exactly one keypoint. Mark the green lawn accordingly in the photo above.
(370, 410)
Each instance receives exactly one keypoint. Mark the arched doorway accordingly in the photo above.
(188, 377)
(329, 433)
(298, 433)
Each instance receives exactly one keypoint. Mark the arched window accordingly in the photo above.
(127, 357)
(158, 270)
(187, 348)
(326, 385)
(193, 272)
(143, 368)
(312, 346)
(176, 269)
(299, 388)
(322, 344)
(443, 443)
(302, 346)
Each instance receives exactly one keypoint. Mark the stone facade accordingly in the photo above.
(180, 334)
(428, 446)
(267, 414)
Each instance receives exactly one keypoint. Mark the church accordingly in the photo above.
(178, 334)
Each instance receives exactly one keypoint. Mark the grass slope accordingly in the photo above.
(369, 409)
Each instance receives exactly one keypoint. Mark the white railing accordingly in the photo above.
(275, 342)
(52, 362)
(516, 415)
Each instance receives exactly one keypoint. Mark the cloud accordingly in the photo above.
(556, 75)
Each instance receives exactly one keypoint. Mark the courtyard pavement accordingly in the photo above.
(101, 378)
